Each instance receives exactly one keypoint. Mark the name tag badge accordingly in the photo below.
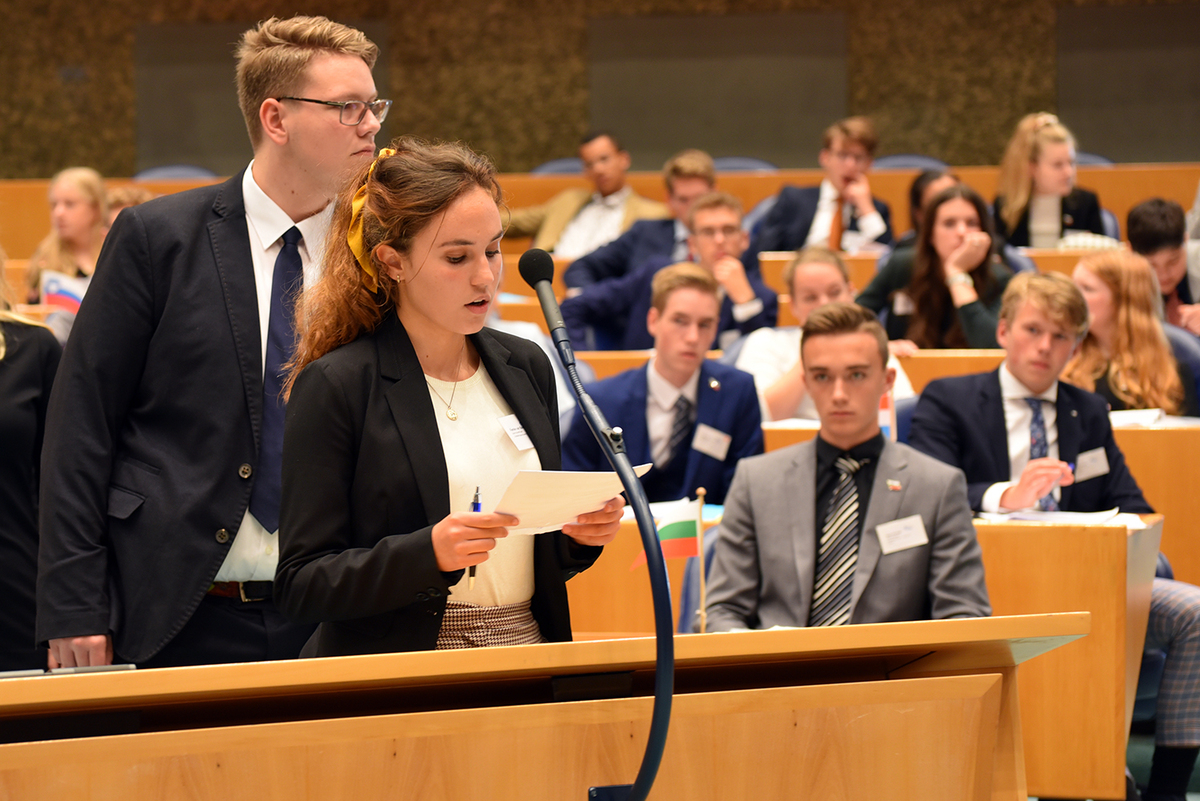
(1091, 464)
(902, 534)
(516, 432)
(902, 304)
(711, 442)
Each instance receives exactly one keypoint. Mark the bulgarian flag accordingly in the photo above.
(679, 530)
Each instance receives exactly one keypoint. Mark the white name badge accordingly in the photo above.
(516, 432)
(1090, 464)
(711, 442)
(902, 304)
(902, 534)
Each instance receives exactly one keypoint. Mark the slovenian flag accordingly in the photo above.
(678, 530)
(63, 291)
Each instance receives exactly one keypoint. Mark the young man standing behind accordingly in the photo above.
(161, 466)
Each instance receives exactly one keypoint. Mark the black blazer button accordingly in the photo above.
(222, 536)
(245, 470)
(422, 596)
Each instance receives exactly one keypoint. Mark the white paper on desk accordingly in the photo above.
(1073, 518)
(1135, 417)
(546, 500)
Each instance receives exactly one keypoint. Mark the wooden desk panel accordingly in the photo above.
(926, 365)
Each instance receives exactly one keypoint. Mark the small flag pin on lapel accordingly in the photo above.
(715, 384)
(893, 485)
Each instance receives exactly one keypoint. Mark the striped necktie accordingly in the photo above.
(1039, 448)
(680, 429)
(837, 552)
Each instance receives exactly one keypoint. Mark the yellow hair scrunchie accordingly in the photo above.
(354, 235)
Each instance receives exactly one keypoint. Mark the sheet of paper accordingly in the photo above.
(545, 500)
(1135, 417)
(1074, 518)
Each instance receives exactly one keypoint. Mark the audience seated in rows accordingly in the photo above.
(840, 213)
(1027, 440)
(920, 192)
(78, 221)
(948, 296)
(1037, 201)
(577, 221)
(688, 175)
(612, 313)
(1157, 230)
(694, 418)
(806, 530)
(816, 276)
(1125, 356)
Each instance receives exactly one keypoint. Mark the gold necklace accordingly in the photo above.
(450, 413)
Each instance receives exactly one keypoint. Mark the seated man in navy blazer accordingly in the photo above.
(693, 418)
(688, 175)
(1028, 441)
(612, 313)
(841, 213)
(848, 527)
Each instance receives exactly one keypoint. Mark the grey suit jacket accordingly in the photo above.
(764, 563)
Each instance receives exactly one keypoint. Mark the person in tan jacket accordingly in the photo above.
(576, 221)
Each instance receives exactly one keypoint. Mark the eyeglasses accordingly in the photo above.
(352, 111)
(728, 232)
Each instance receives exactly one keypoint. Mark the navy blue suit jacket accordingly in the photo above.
(787, 224)
(616, 309)
(960, 421)
(731, 406)
(645, 240)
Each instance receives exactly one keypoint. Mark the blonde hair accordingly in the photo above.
(124, 197)
(684, 275)
(6, 305)
(52, 252)
(273, 57)
(690, 163)
(1015, 185)
(814, 254)
(1141, 368)
(713, 200)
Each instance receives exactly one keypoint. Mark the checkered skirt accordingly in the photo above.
(471, 626)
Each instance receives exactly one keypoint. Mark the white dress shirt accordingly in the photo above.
(1018, 418)
(255, 551)
(661, 395)
(1045, 221)
(682, 250)
(870, 226)
(596, 224)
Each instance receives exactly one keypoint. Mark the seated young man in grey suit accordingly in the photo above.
(849, 527)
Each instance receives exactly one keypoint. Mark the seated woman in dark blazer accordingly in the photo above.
(1125, 356)
(402, 405)
(1037, 201)
(948, 295)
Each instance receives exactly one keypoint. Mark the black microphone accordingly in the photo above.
(537, 268)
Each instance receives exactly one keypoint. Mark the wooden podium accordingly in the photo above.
(921, 710)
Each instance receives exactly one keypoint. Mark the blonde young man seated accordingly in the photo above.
(815, 277)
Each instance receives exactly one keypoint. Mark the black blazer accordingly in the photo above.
(787, 224)
(1080, 212)
(364, 482)
(153, 425)
(960, 421)
(645, 240)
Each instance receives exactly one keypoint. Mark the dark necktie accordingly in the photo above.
(680, 429)
(281, 340)
(1039, 447)
(837, 552)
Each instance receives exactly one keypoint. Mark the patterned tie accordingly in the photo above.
(1039, 448)
(837, 553)
(281, 340)
(680, 429)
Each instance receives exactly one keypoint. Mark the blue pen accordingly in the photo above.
(476, 506)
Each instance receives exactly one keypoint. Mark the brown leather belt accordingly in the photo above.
(247, 591)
